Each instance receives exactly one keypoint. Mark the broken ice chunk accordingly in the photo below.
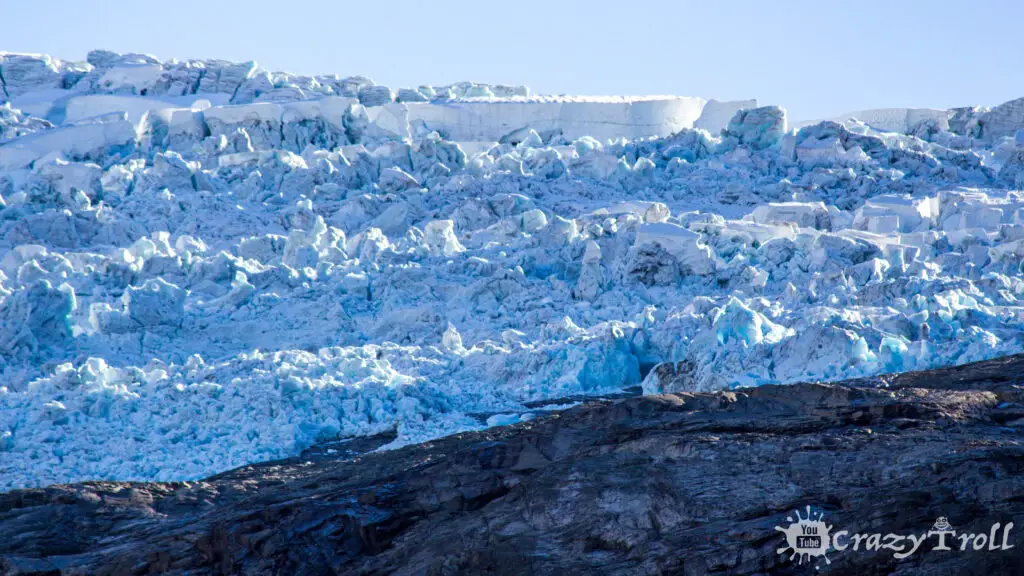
(439, 236)
(803, 214)
(679, 242)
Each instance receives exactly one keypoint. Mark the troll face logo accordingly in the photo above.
(807, 537)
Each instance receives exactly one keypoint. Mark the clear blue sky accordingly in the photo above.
(814, 57)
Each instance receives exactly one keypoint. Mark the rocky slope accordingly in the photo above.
(689, 483)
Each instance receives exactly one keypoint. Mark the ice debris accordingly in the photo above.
(188, 286)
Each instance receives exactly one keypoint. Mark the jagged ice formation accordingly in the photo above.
(204, 264)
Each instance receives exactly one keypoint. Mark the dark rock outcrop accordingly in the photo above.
(686, 483)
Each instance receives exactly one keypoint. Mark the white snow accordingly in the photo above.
(189, 286)
(135, 77)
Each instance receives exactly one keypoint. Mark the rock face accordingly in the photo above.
(686, 483)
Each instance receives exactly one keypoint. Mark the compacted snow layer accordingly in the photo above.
(190, 286)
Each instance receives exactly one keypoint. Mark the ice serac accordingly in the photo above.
(206, 264)
(679, 242)
(1003, 120)
(25, 73)
(14, 123)
(757, 128)
(81, 108)
(900, 120)
(99, 141)
(803, 214)
(715, 115)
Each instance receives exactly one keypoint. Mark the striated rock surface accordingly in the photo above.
(691, 483)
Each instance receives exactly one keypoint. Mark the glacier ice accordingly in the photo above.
(205, 264)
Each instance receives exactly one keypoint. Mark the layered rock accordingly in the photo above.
(686, 483)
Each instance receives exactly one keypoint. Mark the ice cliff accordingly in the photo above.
(205, 264)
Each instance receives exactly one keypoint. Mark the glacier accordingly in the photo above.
(204, 264)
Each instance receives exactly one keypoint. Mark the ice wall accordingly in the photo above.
(334, 121)
(903, 120)
(1003, 120)
(604, 119)
(141, 86)
(716, 114)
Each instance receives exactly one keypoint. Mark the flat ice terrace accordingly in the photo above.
(102, 120)
(139, 86)
(603, 118)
